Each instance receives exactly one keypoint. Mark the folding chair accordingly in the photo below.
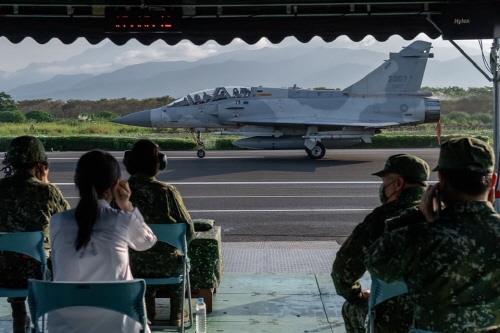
(29, 244)
(125, 297)
(380, 292)
(175, 235)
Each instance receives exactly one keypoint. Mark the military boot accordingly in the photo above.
(20, 320)
(177, 313)
(151, 305)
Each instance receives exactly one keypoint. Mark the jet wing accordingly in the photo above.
(311, 122)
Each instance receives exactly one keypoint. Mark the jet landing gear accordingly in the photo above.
(317, 152)
(200, 145)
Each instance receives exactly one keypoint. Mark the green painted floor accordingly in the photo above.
(270, 303)
(274, 303)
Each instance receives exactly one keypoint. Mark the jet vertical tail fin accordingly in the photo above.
(402, 73)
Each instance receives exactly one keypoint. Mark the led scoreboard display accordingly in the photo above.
(146, 21)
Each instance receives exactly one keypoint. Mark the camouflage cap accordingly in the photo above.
(466, 153)
(25, 150)
(413, 169)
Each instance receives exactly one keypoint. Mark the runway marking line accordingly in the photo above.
(264, 183)
(265, 196)
(275, 196)
(170, 158)
(270, 183)
(329, 210)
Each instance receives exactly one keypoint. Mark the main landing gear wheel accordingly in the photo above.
(200, 153)
(317, 152)
(200, 145)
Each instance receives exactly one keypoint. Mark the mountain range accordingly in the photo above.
(96, 74)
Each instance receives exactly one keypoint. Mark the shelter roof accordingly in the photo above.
(224, 20)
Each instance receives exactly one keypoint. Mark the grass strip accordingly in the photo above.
(115, 143)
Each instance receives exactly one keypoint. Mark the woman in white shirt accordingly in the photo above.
(91, 243)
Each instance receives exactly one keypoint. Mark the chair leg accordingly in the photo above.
(371, 321)
(189, 301)
(183, 299)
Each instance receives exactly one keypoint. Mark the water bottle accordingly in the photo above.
(201, 316)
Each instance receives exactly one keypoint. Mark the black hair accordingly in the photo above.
(143, 158)
(467, 181)
(96, 172)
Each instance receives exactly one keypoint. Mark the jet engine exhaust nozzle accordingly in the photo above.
(432, 110)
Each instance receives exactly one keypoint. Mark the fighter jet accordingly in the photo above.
(294, 118)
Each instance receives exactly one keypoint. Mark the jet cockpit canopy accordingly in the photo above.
(209, 95)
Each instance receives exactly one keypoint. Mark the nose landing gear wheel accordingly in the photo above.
(200, 153)
(317, 152)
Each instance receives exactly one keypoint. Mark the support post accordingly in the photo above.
(495, 68)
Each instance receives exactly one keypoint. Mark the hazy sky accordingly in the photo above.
(17, 56)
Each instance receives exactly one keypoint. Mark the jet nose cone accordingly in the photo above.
(142, 118)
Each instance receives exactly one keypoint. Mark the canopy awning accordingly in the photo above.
(223, 21)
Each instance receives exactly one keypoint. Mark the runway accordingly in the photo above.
(268, 195)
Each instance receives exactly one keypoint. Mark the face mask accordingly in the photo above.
(381, 193)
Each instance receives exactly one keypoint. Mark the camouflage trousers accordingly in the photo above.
(20, 319)
(159, 262)
(16, 269)
(392, 316)
(172, 292)
(354, 314)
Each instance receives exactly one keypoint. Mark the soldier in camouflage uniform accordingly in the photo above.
(159, 203)
(404, 179)
(451, 263)
(27, 201)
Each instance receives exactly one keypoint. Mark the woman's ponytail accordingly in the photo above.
(86, 215)
(96, 172)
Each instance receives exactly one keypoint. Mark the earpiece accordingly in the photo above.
(162, 159)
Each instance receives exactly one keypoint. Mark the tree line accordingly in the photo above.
(49, 109)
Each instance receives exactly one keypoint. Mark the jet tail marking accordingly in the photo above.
(401, 74)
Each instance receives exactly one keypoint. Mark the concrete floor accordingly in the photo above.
(265, 303)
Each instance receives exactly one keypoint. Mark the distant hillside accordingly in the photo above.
(278, 67)
(49, 87)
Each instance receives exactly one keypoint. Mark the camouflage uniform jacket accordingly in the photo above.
(26, 204)
(452, 266)
(349, 264)
(158, 203)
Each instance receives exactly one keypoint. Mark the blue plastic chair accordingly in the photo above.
(125, 297)
(380, 292)
(175, 235)
(27, 243)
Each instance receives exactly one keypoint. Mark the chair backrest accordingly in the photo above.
(173, 234)
(27, 243)
(382, 291)
(125, 297)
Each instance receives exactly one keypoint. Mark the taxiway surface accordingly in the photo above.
(268, 195)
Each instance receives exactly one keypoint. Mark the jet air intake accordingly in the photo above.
(432, 110)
